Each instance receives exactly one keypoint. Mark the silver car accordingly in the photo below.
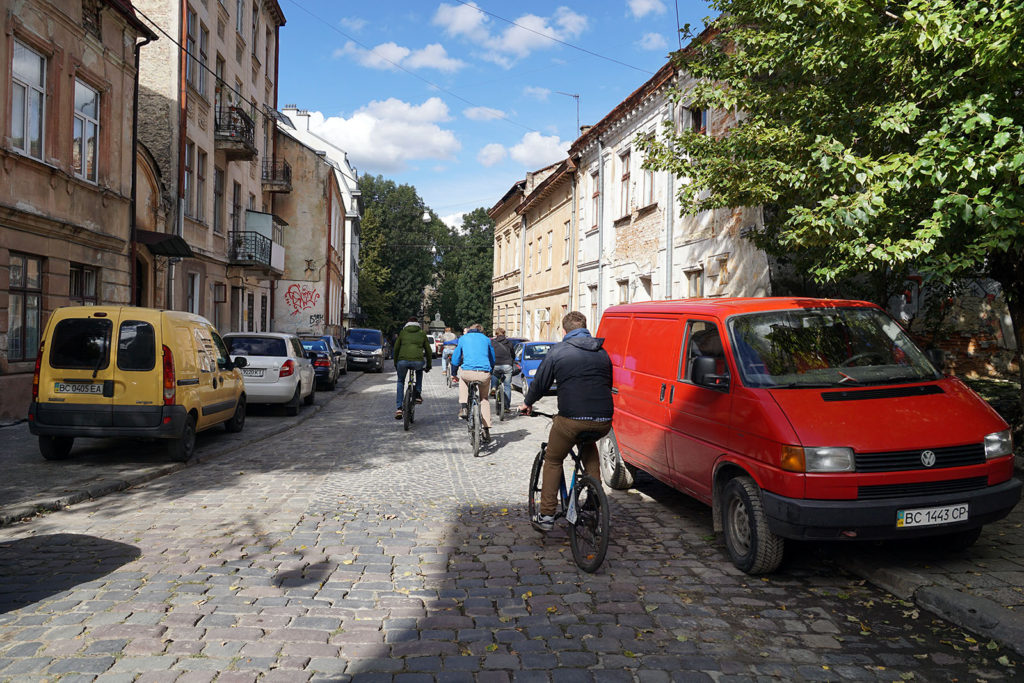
(277, 370)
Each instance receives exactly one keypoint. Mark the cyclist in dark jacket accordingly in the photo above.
(503, 356)
(583, 371)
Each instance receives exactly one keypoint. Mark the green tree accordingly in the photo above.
(465, 269)
(879, 135)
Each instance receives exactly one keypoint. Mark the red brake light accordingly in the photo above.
(35, 373)
(170, 383)
(287, 368)
(322, 363)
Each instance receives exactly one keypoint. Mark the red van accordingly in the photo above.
(803, 419)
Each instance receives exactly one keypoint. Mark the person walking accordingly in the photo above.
(412, 352)
(474, 358)
(503, 355)
(583, 372)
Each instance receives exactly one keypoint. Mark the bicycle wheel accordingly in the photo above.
(536, 479)
(407, 404)
(588, 535)
(476, 425)
(500, 400)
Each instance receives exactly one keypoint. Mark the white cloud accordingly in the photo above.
(453, 221)
(538, 93)
(652, 41)
(504, 47)
(385, 135)
(391, 55)
(354, 23)
(491, 154)
(641, 8)
(536, 150)
(483, 114)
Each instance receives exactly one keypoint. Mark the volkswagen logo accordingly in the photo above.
(928, 458)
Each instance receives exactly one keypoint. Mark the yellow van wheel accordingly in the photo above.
(237, 421)
(56, 447)
(184, 447)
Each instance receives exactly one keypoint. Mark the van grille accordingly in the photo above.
(898, 461)
(928, 488)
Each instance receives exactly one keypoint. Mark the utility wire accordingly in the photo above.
(552, 38)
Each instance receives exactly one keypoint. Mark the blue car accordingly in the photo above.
(528, 356)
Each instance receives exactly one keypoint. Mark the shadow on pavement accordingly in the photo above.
(37, 567)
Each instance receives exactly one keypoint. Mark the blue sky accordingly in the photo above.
(452, 98)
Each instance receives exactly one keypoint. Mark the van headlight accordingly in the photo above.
(998, 444)
(532, 372)
(378, 352)
(819, 459)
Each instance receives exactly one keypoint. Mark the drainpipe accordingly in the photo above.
(179, 222)
(669, 220)
(522, 276)
(573, 220)
(135, 167)
(600, 230)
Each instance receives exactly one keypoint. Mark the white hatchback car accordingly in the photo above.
(277, 368)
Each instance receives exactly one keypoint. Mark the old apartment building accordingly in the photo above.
(66, 93)
(507, 279)
(207, 163)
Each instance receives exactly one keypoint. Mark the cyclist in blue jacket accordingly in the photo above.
(474, 358)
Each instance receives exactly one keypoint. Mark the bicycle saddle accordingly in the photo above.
(584, 438)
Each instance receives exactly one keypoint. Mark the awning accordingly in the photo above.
(163, 244)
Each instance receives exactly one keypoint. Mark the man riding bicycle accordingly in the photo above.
(474, 358)
(448, 342)
(583, 372)
(503, 355)
(411, 352)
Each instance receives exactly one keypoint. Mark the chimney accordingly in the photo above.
(585, 128)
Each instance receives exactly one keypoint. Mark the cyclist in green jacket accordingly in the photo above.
(412, 352)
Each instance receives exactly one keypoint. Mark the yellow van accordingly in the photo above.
(122, 371)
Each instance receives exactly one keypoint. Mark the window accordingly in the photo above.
(81, 344)
(86, 131)
(236, 206)
(550, 248)
(250, 313)
(204, 45)
(187, 190)
(623, 291)
(136, 346)
(695, 282)
(263, 312)
(239, 15)
(529, 258)
(82, 285)
(648, 187)
(219, 85)
(624, 187)
(201, 186)
(565, 246)
(26, 284)
(540, 252)
(255, 26)
(702, 339)
(28, 102)
(192, 295)
(218, 200)
(266, 48)
(191, 32)
(698, 120)
(592, 290)
(252, 202)
(595, 200)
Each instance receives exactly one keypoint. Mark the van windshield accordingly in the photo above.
(825, 347)
(366, 337)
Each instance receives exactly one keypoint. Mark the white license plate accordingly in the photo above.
(77, 388)
(359, 360)
(252, 372)
(947, 514)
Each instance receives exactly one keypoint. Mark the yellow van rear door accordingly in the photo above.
(78, 368)
(138, 386)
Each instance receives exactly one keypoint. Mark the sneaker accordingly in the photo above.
(487, 435)
(464, 412)
(398, 414)
(419, 399)
(545, 522)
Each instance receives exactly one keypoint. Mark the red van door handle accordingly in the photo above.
(615, 390)
(671, 393)
(662, 397)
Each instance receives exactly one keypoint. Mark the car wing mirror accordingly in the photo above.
(704, 374)
(241, 361)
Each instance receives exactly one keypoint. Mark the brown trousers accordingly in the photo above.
(561, 438)
(483, 381)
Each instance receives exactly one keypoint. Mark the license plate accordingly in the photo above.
(77, 388)
(359, 360)
(252, 372)
(947, 514)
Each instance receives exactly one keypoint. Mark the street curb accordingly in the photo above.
(98, 489)
(979, 615)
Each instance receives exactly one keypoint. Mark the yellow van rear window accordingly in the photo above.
(81, 344)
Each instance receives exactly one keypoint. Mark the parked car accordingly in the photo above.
(365, 349)
(433, 345)
(801, 419)
(528, 356)
(123, 371)
(325, 364)
(339, 350)
(278, 371)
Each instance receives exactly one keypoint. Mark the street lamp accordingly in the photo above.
(426, 216)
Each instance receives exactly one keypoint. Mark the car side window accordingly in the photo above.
(702, 339)
(221, 349)
(297, 347)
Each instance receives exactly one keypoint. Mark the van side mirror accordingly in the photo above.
(937, 357)
(241, 362)
(703, 374)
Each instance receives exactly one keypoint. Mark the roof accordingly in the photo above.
(564, 170)
(517, 186)
(128, 11)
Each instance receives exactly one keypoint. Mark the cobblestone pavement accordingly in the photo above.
(349, 549)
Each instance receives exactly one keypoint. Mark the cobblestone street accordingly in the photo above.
(349, 549)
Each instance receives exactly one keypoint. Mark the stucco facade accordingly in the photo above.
(506, 287)
(65, 163)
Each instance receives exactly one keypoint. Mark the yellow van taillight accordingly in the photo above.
(35, 373)
(169, 381)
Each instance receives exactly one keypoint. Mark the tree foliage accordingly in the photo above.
(465, 268)
(879, 135)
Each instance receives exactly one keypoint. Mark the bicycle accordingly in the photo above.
(409, 400)
(500, 395)
(476, 425)
(583, 504)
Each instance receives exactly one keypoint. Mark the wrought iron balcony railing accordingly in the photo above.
(277, 175)
(249, 248)
(233, 126)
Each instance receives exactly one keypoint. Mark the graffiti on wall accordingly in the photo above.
(301, 298)
(316, 319)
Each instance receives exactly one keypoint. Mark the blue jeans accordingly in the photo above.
(506, 381)
(446, 358)
(403, 367)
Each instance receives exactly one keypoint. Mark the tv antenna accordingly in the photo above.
(576, 97)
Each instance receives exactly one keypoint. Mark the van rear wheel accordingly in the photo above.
(183, 448)
(56, 447)
(752, 547)
(614, 470)
(237, 421)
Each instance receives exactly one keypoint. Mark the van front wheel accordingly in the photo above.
(614, 470)
(183, 448)
(752, 547)
(56, 447)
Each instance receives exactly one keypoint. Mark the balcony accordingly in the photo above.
(257, 246)
(249, 248)
(277, 176)
(234, 134)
